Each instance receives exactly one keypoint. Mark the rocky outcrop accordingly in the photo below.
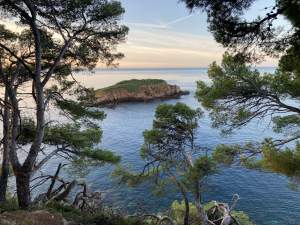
(143, 93)
(41, 217)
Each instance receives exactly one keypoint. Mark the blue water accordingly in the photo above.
(264, 196)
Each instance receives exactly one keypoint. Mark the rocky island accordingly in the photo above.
(137, 91)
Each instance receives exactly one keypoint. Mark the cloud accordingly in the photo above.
(151, 47)
(147, 25)
(161, 25)
(180, 19)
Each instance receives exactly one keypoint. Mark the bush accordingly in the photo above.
(10, 205)
(102, 217)
(178, 208)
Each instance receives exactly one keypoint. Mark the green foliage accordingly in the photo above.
(225, 154)
(56, 39)
(246, 155)
(70, 134)
(78, 111)
(101, 217)
(253, 163)
(237, 95)
(73, 139)
(178, 208)
(286, 161)
(290, 66)
(130, 178)
(173, 130)
(286, 123)
(271, 158)
(112, 219)
(168, 151)
(11, 204)
(101, 155)
(254, 37)
(242, 217)
(177, 212)
(165, 145)
(203, 167)
(6, 34)
(293, 8)
(133, 85)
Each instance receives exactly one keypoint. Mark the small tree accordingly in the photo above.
(57, 38)
(169, 150)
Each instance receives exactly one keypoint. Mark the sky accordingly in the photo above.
(163, 33)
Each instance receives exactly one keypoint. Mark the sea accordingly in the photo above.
(266, 197)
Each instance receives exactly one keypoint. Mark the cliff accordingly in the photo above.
(137, 91)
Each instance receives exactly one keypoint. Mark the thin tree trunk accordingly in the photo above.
(27, 168)
(23, 189)
(186, 220)
(201, 212)
(50, 189)
(5, 156)
(200, 209)
(23, 186)
(187, 211)
(21, 176)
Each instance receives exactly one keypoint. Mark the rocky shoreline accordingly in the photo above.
(137, 91)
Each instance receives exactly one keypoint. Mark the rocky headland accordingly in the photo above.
(137, 91)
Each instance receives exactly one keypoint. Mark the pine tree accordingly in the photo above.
(169, 151)
(57, 38)
(239, 94)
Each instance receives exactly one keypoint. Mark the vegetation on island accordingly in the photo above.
(132, 85)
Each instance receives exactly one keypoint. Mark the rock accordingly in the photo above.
(137, 91)
(41, 217)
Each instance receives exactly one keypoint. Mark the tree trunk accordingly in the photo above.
(201, 212)
(23, 189)
(187, 211)
(186, 220)
(4, 179)
(200, 209)
(5, 156)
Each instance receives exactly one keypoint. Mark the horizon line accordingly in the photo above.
(164, 68)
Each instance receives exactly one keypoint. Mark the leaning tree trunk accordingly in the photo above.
(5, 156)
(23, 189)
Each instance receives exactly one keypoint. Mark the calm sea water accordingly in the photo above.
(264, 196)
